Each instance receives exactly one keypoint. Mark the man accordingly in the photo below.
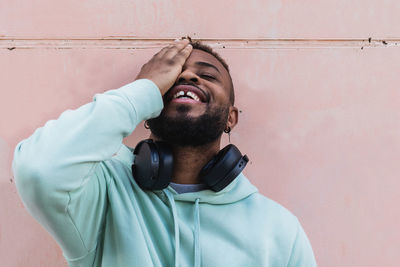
(74, 176)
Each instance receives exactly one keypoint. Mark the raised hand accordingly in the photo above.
(165, 66)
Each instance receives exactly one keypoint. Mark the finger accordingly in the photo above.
(177, 46)
(180, 44)
(181, 57)
(163, 51)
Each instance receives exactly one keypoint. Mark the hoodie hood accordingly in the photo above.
(237, 190)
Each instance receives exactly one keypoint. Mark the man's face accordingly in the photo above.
(197, 108)
(204, 71)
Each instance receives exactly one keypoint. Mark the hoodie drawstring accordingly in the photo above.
(197, 258)
(176, 226)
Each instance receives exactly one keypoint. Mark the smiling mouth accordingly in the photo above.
(186, 93)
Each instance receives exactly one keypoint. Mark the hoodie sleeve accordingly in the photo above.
(55, 168)
(302, 254)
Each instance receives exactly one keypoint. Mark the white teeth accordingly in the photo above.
(193, 95)
(189, 94)
(178, 94)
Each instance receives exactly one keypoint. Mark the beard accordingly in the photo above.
(182, 130)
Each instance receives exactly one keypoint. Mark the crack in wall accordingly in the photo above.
(123, 42)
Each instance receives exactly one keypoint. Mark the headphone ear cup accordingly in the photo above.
(166, 164)
(221, 170)
(152, 166)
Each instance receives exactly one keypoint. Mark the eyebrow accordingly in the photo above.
(205, 64)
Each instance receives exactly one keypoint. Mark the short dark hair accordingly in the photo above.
(206, 48)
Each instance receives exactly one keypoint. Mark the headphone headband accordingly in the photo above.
(153, 166)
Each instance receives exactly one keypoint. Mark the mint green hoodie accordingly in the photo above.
(74, 176)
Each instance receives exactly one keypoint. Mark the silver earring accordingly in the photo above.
(228, 131)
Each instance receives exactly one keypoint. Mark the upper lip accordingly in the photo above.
(186, 87)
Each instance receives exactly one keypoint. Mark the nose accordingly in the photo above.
(188, 76)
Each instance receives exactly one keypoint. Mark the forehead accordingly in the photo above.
(202, 56)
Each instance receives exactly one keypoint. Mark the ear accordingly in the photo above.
(233, 117)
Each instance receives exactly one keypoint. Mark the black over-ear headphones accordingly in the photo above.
(153, 166)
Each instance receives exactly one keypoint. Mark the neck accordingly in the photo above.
(188, 161)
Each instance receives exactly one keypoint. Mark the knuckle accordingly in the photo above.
(170, 62)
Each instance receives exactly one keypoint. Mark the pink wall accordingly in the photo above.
(320, 104)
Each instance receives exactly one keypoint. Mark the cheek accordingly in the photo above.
(222, 97)
(220, 94)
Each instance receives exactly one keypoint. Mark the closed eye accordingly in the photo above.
(207, 77)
